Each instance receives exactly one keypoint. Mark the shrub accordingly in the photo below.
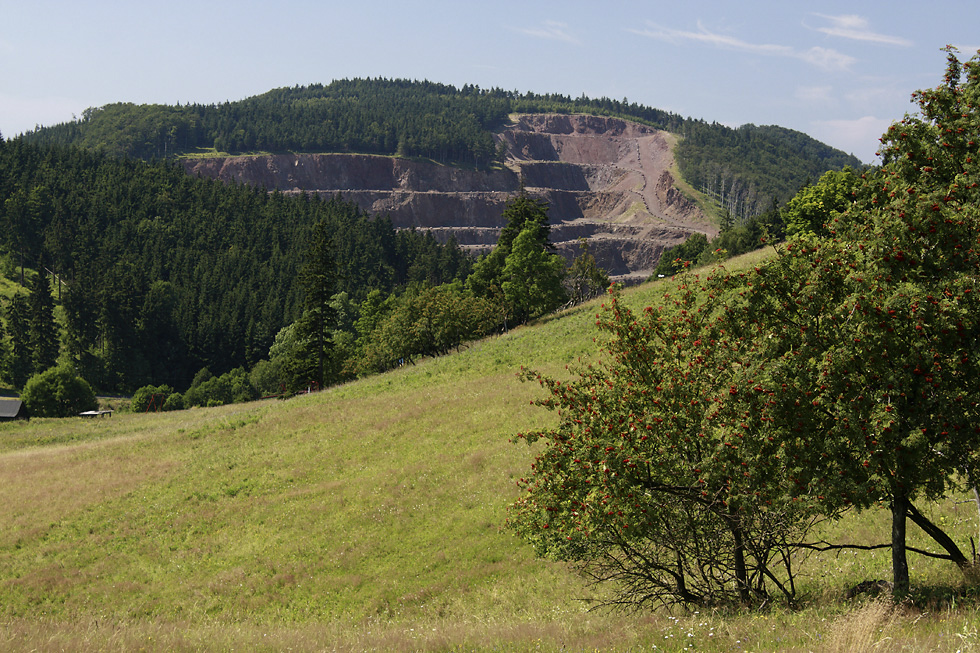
(58, 392)
(151, 398)
(231, 387)
(174, 402)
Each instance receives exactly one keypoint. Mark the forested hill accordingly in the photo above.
(160, 273)
(439, 122)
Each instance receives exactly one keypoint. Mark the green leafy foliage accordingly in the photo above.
(872, 332)
(532, 278)
(521, 272)
(584, 279)
(234, 386)
(150, 398)
(659, 476)
(816, 205)
(426, 322)
(733, 240)
(680, 257)
(58, 392)
(841, 373)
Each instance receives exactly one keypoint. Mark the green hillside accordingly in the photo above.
(367, 517)
(746, 169)
(163, 273)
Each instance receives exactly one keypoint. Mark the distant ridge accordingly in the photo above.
(746, 169)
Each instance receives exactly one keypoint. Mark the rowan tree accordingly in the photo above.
(658, 477)
(872, 333)
(841, 373)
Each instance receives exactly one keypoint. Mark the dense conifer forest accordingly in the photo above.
(160, 274)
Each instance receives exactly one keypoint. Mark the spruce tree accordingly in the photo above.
(318, 278)
(4, 353)
(19, 361)
(42, 329)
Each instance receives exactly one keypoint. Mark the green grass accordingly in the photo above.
(367, 517)
(10, 278)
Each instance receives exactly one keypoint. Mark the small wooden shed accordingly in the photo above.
(11, 409)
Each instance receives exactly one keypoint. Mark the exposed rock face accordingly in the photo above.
(605, 179)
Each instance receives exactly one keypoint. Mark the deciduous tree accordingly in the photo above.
(659, 477)
(532, 277)
(585, 279)
(872, 332)
(58, 392)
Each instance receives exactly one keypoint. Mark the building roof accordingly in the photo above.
(11, 408)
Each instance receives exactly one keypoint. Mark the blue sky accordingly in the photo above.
(839, 71)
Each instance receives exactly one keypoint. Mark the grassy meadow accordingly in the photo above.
(371, 517)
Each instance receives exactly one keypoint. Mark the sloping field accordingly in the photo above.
(367, 517)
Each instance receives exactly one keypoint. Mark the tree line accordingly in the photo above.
(133, 275)
(735, 167)
(744, 169)
(157, 274)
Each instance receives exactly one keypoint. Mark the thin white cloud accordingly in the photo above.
(966, 51)
(551, 30)
(676, 36)
(850, 26)
(827, 59)
(815, 94)
(852, 136)
(821, 57)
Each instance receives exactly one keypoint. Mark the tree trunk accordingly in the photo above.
(900, 563)
(940, 536)
(741, 574)
(976, 498)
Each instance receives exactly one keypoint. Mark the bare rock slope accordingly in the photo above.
(605, 179)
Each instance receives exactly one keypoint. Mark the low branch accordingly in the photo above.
(827, 546)
(939, 535)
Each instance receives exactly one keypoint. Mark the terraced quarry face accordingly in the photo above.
(605, 179)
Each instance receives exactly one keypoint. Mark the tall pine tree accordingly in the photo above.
(42, 329)
(19, 362)
(318, 278)
(4, 350)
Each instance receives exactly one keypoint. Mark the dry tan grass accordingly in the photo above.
(869, 628)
